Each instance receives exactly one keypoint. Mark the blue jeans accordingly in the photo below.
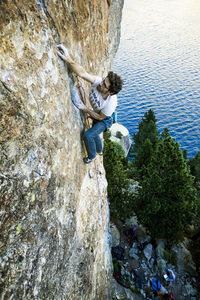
(92, 139)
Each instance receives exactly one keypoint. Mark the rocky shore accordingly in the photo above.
(143, 259)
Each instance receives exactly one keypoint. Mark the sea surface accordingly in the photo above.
(159, 61)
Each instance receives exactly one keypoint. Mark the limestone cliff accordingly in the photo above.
(53, 208)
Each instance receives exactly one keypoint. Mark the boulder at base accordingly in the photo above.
(120, 135)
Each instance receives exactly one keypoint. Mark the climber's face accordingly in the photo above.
(104, 86)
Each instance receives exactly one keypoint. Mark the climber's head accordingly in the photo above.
(110, 85)
(115, 83)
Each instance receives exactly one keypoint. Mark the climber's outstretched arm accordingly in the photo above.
(75, 67)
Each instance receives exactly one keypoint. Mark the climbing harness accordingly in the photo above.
(114, 116)
(108, 121)
(83, 99)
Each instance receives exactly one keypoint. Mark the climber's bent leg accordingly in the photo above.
(92, 139)
(98, 142)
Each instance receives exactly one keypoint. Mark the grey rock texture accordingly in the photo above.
(54, 213)
(145, 260)
(120, 135)
(115, 234)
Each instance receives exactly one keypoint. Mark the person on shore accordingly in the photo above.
(157, 287)
(103, 100)
(130, 233)
(169, 276)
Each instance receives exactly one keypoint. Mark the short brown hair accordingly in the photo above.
(115, 82)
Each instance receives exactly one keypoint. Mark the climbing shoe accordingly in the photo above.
(88, 160)
(100, 153)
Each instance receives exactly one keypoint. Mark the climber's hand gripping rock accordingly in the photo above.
(64, 53)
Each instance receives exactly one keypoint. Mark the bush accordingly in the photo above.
(170, 257)
(119, 149)
(119, 135)
(115, 165)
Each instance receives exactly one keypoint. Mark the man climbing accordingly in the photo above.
(103, 100)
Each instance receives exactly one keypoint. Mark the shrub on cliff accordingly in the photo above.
(115, 164)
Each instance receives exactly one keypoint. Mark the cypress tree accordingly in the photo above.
(194, 164)
(146, 129)
(167, 199)
(145, 142)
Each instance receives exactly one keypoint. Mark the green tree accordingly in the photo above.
(116, 174)
(146, 129)
(167, 199)
(194, 164)
(145, 143)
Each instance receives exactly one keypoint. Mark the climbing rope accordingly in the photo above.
(83, 99)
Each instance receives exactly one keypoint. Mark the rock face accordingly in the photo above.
(54, 212)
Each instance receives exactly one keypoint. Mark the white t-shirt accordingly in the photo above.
(107, 106)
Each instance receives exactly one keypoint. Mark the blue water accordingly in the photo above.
(159, 61)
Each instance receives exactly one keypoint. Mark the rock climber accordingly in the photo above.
(103, 100)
